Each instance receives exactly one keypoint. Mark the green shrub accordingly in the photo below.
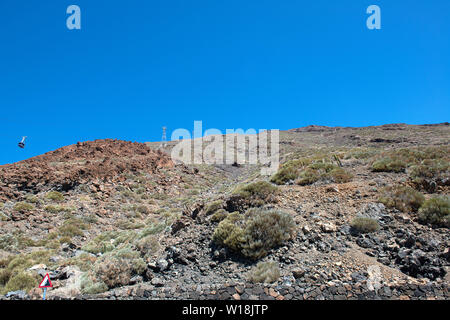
(3, 217)
(8, 242)
(154, 228)
(307, 171)
(219, 215)
(16, 241)
(255, 194)
(256, 190)
(230, 232)
(148, 245)
(142, 209)
(430, 171)
(265, 272)
(5, 275)
(361, 153)
(401, 159)
(389, 164)
(286, 173)
(114, 268)
(436, 211)
(22, 262)
(57, 209)
(109, 240)
(65, 239)
(102, 243)
(55, 196)
(22, 281)
(71, 228)
(254, 233)
(364, 225)
(23, 207)
(402, 198)
(91, 218)
(84, 261)
(31, 199)
(129, 224)
(213, 207)
(160, 196)
(13, 272)
(88, 286)
(5, 261)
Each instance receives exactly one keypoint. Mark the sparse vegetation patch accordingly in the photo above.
(265, 272)
(403, 198)
(306, 171)
(436, 211)
(364, 225)
(254, 233)
(255, 194)
(55, 196)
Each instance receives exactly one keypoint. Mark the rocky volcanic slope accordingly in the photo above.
(119, 220)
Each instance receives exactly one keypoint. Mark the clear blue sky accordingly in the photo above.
(138, 65)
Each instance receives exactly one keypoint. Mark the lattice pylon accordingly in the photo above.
(164, 138)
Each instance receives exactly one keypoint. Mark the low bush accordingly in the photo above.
(21, 281)
(307, 171)
(55, 196)
(57, 209)
(389, 164)
(71, 228)
(430, 173)
(3, 217)
(5, 275)
(213, 207)
(148, 245)
(129, 224)
(324, 172)
(113, 269)
(152, 229)
(265, 272)
(260, 190)
(14, 275)
(141, 209)
(254, 233)
(219, 215)
(255, 194)
(364, 225)
(403, 198)
(400, 159)
(361, 153)
(108, 241)
(88, 286)
(15, 241)
(23, 207)
(91, 218)
(32, 199)
(289, 171)
(84, 261)
(436, 211)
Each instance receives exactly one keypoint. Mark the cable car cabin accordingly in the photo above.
(22, 143)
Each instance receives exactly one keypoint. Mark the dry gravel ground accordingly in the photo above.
(114, 195)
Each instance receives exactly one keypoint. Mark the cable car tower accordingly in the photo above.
(164, 138)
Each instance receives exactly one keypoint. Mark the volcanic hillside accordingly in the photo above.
(351, 213)
(83, 163)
